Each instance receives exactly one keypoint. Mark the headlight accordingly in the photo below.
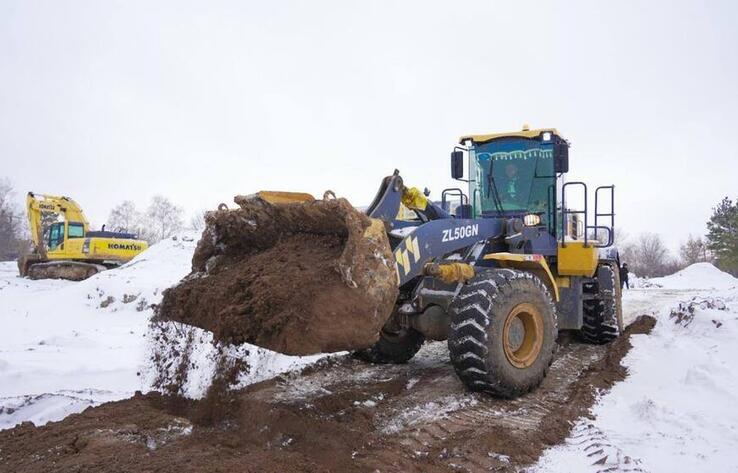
(531, 220)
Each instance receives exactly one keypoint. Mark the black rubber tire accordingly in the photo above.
(393, 348)
(602, 320)
(475, 342)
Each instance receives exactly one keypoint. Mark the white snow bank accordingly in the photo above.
(635, 281)
(67, 345)
(697, 276)
(676, 410)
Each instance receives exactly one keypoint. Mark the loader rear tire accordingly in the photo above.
(503, 332)
(602, 318)
(391, 347)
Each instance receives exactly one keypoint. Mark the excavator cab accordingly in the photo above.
(56, 235)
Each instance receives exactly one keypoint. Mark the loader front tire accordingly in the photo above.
(393, 347)
(503, 332)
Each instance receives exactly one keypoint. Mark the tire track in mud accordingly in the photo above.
(344, 415)
(501, 423)
(425, 416)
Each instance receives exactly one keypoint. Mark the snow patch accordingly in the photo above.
(676, 410)
(427, 412)
(697, 276)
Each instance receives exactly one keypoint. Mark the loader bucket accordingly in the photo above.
(299, 278)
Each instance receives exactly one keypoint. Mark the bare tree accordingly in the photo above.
(163, 219)
(197, 221)
(11, 222)
(647, 256)
(621, 237)
(125, 218)
(694, 250)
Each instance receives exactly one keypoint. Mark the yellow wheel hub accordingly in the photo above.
(522, 335)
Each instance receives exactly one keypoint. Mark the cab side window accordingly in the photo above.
(76, 230)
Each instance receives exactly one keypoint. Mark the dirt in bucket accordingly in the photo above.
(298, 278)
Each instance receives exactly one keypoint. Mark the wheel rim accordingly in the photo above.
(523, 335)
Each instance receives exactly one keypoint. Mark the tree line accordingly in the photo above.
(648, 256)
(161, 219)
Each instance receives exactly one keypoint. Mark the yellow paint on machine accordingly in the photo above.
(450, 272)
(402, 255)
(575, 259)
(413, 248)
(563, 281)
(279, 197)
(97, 248)
(520, 134)
(413, 198)
(534, 263)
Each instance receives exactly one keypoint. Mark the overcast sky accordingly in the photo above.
(106, 101)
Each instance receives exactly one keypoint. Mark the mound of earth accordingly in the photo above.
(296, 278)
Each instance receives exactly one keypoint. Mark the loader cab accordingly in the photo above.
(519, 176)
(513, 174)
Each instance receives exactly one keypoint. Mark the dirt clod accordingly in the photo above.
(106, 302)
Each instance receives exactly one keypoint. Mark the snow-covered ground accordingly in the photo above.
(65, 346)
(676, 411)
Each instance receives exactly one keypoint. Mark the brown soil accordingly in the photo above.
(298, 278)
(342, 415)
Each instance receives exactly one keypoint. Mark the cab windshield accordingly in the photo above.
(513, 175)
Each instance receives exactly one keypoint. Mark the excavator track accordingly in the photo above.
(70, 270)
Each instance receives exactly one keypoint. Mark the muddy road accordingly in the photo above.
(339, 415)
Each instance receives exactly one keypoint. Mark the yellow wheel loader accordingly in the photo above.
(69, 250)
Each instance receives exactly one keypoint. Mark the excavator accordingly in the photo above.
(70, 250)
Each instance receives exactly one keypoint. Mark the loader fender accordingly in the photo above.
(535, 264)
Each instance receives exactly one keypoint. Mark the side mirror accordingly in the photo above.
(561, 157)
(457, 164)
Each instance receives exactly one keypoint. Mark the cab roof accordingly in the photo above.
(524, 133)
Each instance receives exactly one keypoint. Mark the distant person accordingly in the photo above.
(624, 276)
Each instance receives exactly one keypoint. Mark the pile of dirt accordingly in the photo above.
(297, 278)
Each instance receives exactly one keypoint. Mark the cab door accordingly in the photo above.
(56, 237)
